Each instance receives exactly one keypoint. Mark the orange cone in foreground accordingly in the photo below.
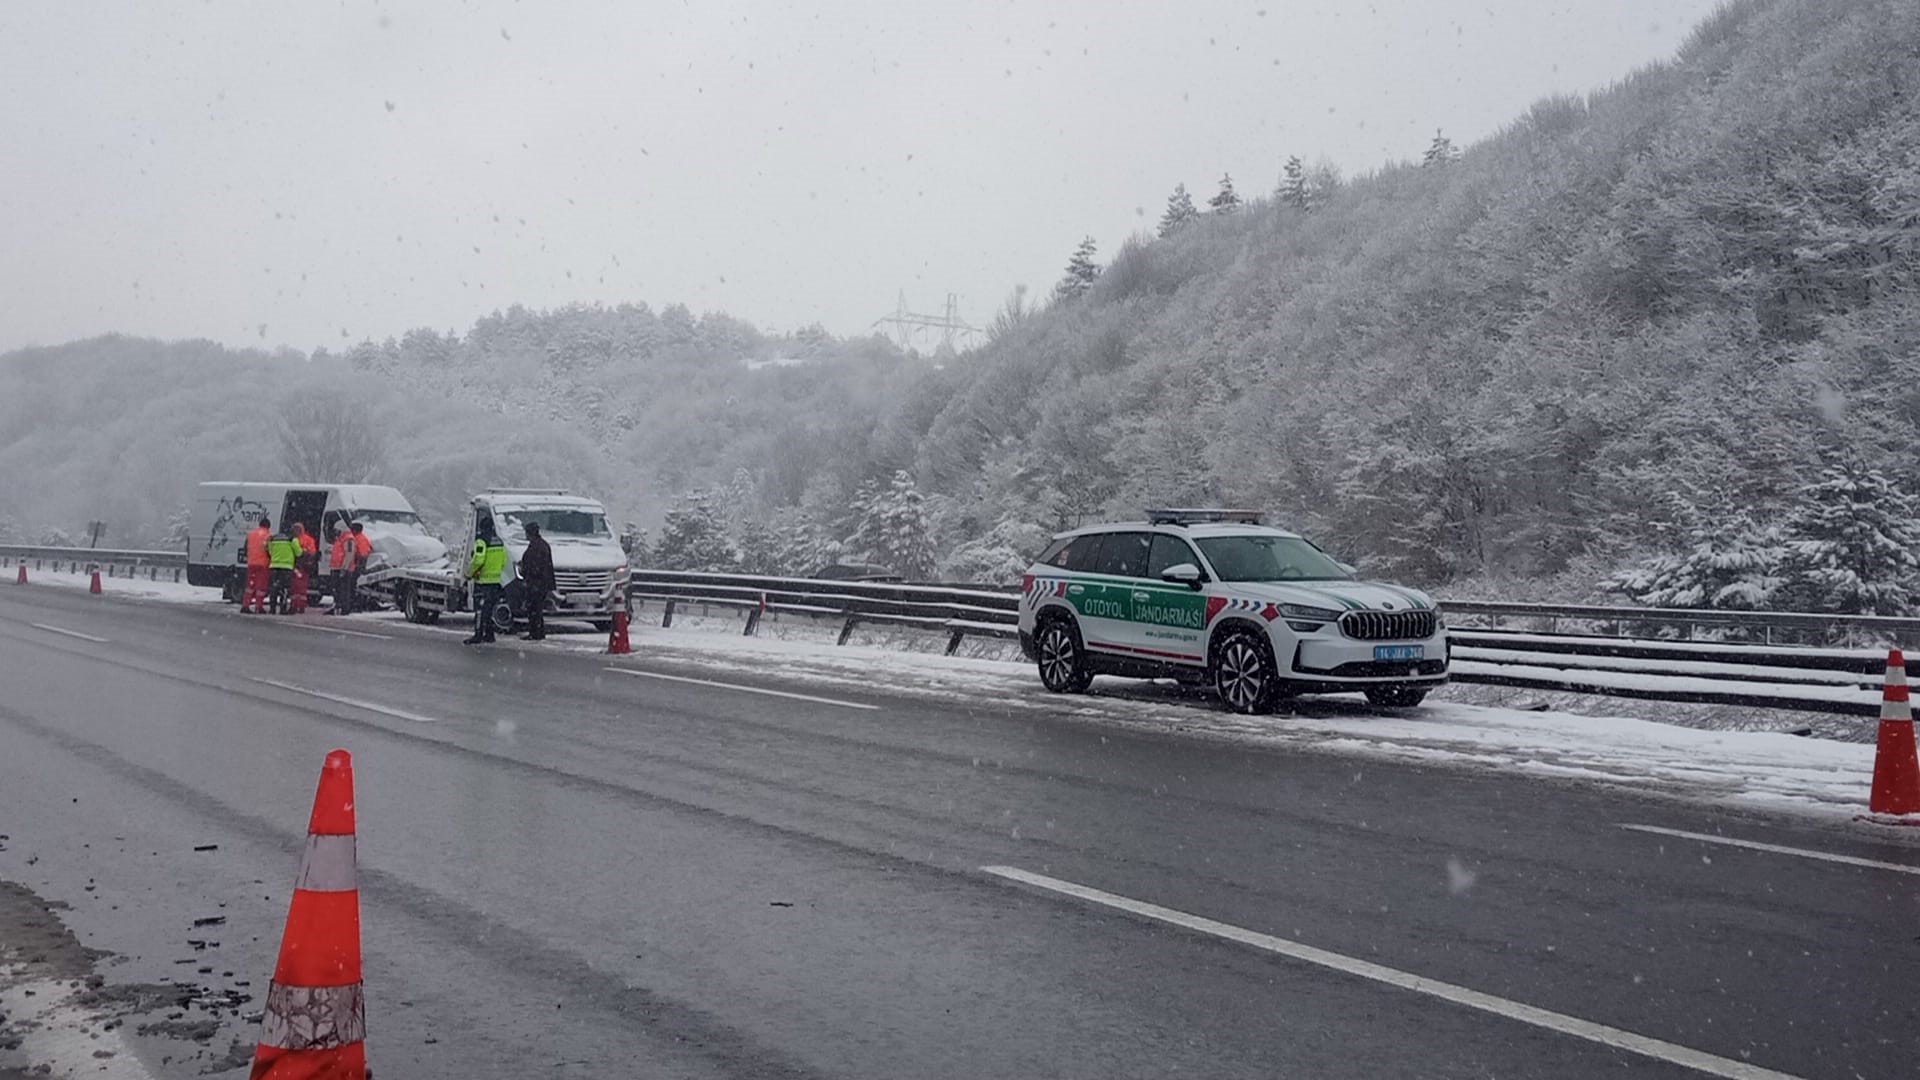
(315, 1022)
(21, 578)
(1896, 766)
(94, 588)
(617, 637)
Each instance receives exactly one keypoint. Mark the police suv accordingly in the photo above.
(1259, 612)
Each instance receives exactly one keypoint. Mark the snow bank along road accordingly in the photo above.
(648, 867)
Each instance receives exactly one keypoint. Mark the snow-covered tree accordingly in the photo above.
(892, 528)
(759, 549)
(179, 529)
(1738, 565)
(1180, 211)
(1853, 545)
(693, 537)
(1440, 151)
(801, 547)
(1295, 191)
(1227, 201)
(1081, 272)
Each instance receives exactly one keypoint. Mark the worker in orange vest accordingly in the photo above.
(305, 562)
(359, 547)
(337, 563)
(254, 600)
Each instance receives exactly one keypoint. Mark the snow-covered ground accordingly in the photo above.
(1761, 769)
(164, 589)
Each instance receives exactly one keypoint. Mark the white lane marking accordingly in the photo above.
(70, 633)
(338, 700)
(746, 689)
(1419, 984)
(1850, 860)
(336, 630)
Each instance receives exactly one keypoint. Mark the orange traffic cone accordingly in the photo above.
(21, 577)
(617, 637)
(315, 1021)
(94, 588)
(1896, 766)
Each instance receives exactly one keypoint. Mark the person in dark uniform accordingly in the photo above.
(536, 575)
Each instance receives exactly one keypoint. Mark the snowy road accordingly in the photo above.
(672, 865)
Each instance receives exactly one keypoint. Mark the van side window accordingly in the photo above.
(1124, 554)
(1168, 551)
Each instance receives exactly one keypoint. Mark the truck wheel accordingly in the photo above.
(1396, 695)
(1063, 659)
(414, 610)
(502, 617)
(1244, 674)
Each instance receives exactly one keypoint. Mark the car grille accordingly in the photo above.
(569, 581)
(1388, 625)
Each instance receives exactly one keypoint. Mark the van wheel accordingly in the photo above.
(1396, 695)
(1244, 675)
(502, 617)
(1063, 659)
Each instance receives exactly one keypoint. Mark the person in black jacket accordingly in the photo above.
(536, 574)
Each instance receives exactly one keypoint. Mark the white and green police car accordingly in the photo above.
(1259, 612)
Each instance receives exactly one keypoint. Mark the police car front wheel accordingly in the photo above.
(1244, 675)
(1063, 660)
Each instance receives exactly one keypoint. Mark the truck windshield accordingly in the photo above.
(1269, 558)
(556, 522)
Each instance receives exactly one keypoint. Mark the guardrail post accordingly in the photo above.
(666, 617)
(953, 641)
(753, 621)
(846, 629)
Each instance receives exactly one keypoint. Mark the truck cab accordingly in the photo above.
(589, 565)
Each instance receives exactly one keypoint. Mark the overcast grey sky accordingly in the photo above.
(314, 174)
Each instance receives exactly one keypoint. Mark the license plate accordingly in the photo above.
(1399, 652)
(583, 599)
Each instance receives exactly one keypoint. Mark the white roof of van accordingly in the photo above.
(353, 496)
(503, 500)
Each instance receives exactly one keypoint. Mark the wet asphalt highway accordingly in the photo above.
(569, 871)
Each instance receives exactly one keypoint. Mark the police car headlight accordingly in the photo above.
(1308, 614)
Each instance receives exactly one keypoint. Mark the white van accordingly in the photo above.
(589, 565)
(223, 512)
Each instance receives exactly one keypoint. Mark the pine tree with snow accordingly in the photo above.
(1852, 544)
(892, 527)
(801, 548)
(1440, 151)
(1295, 191)
(1732, 564)
(1081, 272)
(693, 538)
(633, 541)
(1227, 201)
(1180, 211)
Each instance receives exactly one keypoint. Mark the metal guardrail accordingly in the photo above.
(12, 553)
(113, 562)
(1846, 630)
(958, 611)
(1645, 653)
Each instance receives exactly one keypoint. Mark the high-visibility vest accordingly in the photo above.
(281, 551)
(257, 538)
(308, 545)
(339, 558)
(488, 561)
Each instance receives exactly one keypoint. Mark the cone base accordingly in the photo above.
(335, 1063)
(1912, 820)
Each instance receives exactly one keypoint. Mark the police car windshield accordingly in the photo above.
(1269, 558)
(557, 523)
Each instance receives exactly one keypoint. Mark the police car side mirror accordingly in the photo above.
(1183, 574)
